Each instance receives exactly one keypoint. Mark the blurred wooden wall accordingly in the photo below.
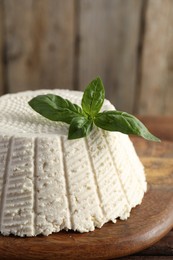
(66, 43)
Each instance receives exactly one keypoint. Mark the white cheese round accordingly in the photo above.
(49, 183)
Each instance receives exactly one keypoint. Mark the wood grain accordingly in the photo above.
(1, 49)
(163, 247)
(109, 36)
(160, 126)
(40, 43)
(157, 60)
(65, 44)
(147, 257)
(147, 224)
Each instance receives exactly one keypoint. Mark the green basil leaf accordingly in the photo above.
(124, 123)
(93, 97)
(55, 108)
(80, 127)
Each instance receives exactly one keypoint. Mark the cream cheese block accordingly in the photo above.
(49, 183)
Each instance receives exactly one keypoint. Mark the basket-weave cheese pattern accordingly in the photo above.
(49, 183)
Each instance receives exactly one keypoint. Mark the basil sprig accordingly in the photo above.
(93, 98)
(80, 127)
(83, 119)
(124, 123)
(55, 108)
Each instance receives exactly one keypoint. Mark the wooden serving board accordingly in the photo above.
(147, 224)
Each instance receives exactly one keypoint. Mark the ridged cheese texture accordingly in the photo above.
(49, 183)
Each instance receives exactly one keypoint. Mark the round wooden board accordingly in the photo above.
(147, 224)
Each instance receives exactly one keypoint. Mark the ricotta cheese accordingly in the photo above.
(49, 183)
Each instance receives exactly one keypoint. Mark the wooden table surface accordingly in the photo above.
(163, 128)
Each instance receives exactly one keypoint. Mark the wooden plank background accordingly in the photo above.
(65, 44)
